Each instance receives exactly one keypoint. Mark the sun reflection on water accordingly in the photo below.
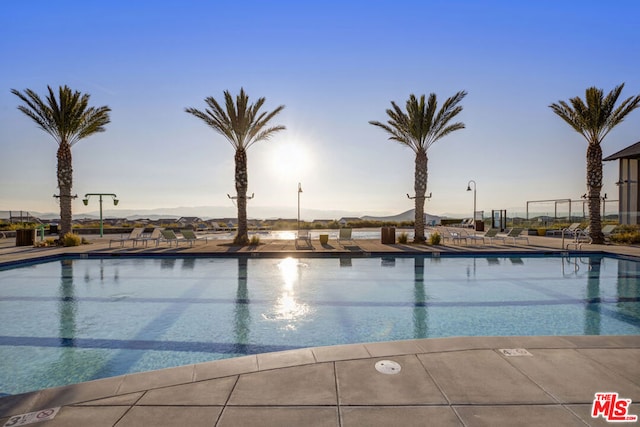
(287, 307)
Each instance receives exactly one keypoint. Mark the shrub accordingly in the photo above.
(255, 240)
(626, 234)
(71, 239)
(403, 238)
(435, 238)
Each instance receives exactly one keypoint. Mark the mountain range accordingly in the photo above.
(256, 212)
(211, 212)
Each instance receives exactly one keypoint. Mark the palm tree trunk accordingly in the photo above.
(242, 182)
(420, 187)
(65, 182)
(594, 185)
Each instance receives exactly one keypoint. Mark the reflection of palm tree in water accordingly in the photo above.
(592, 310)
(67, 306)
(242, 317)
(420, 329)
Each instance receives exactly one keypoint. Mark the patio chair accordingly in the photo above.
(464, 234)
(607, 230)
(135, 233)
(454, 236)
(153, 237)
(170, 237)
(191, 237)
(580, 237)
(514, 234)
(303, 236)
(344, 235)
(571, 230)
(492, 234)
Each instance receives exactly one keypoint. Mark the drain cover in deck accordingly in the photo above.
(388, 367)
(514, 352)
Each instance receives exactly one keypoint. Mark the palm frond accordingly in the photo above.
(66, 118)
(240, 122)
(422, 124)
(597, 115)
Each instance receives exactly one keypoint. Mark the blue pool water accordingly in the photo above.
(74, 320)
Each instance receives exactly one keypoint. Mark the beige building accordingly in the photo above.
(628, 190)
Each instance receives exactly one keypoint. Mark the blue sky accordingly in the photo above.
(334, 65)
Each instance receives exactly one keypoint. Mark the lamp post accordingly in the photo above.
(474, 203)
(86, 202)
(299, 191)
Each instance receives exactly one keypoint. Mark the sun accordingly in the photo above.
(289, 160)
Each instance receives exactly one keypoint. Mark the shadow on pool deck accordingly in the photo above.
(442, 381)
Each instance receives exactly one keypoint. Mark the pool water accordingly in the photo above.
(75, 320)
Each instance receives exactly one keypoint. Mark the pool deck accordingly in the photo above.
(466, 381)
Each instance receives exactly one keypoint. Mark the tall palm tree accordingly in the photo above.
(242, 124)
(67, 119)
(594, 119)
(418, 128)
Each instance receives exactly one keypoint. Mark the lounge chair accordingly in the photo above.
(571, 230)
(304, 236)
(153, 237)
(580, 237)
(492, 234)
(344, 235)
(607, 230)
(464, 234)
(465, 223)
(191, 237)
(514, 234)
(452, 235)
(135, 233)
(169, 236)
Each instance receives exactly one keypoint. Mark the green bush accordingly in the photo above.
(71, 239)
(255, 240)
(435, 239)
(403, 238)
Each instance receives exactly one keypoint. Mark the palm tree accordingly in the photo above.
(594, 119)
(68, 120)
(242, 124)
(418, 128)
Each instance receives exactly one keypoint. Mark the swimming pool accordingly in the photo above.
(74, 320)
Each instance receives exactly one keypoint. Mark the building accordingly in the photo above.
(347, 219)
(628, 178)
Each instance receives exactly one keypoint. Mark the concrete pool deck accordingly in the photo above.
(467, 381)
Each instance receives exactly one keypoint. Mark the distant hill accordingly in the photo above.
(404, 216)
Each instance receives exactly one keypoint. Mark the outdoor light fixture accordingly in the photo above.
(86, 202)
(474, 203)
(299, 191)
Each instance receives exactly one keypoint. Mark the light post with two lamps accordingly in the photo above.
(474, 203)
(86, 202)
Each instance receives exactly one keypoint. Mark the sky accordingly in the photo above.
(335, 66)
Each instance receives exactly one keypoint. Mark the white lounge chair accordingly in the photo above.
(571, 230)
(473, 237)
(303, 236)
(153, 237)
(135, 233)
(607, 230)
